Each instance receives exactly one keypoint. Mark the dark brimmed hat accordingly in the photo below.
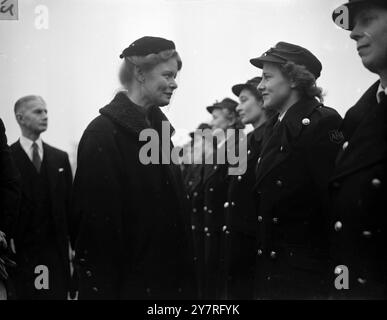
(286, 52)
(251, 84)
(147, 45)
(201, 126)
(226, 103)
(352, 7)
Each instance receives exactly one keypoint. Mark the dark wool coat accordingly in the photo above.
(359, 220)
(133, 240)
(239, 236)
(291, 193)
(41, 230)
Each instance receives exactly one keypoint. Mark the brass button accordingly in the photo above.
(275, 220)
(194, 210)
(338, 225)
(211, 189)
(195, 194)
(239, 178)
(305, 121)
(193, 227)
(205, 229)
(226, 204)
(259, 252)
(224, 228)
(259, 160)
(376, 183)
(205, 208)
(279, 183)
(361, 280)
(260, 218)
(273, 254)
(367, 234)
(345, 145)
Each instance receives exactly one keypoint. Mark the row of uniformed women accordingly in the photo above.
(264, 234)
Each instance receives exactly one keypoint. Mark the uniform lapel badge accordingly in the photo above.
(336, 136)
(305, 122)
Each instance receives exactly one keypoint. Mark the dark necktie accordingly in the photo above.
(36, 157)
(382, 98)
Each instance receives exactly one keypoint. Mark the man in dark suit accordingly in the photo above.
(41, 234)
(9, 201)
(358, 187)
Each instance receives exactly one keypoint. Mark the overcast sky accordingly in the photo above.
(74, 63)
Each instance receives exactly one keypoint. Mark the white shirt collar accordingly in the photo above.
(380, 89)
(27, 146)
(280, 117)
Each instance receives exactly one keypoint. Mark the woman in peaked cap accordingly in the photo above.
(239, 236)
(134, 239)
(292, 173)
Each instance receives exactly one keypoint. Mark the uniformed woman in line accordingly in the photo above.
(193, 180)
(215, 182)
(134, 239)
(239, 231)
(292, 171)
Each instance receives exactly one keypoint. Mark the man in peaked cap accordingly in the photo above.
(358, 187)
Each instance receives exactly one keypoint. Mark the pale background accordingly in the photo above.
(74, 63)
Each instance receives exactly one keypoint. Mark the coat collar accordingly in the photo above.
(299, 112)
(130, 116)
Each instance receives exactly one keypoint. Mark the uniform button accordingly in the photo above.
(211, 189)
(338, 225)
(345, 145)
(195, 194)
(210, 211)
(194, 210)
(260, 218)
(193, 227)
(224, 228)
(279, 183)
(367, 234)
(305, 121)
(275, 220)
(204, 208)
(188, 196)
(226, 204)
(259, 160)
(227, 232)
(273, 254)
(376, 183)
(248, 151)
(361, 280)
(232, 204)
(88, 273)
(259, 252)
(215, 167)
(281, 148)
(208, 234)
(338, 270)
(268, 278)
(205, 229)
(239, 178)
(190, 183)
(95, 289)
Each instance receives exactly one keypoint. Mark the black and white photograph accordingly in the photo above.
(193, 154)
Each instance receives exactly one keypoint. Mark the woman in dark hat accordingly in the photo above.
(134, 234)
(297, 157)
(226, 125)
(239, 236)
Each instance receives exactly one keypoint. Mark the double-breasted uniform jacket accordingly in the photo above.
(215, 186)
(41, 230)
(239, 233)
(134, 237)
(291, 192)
(194, 185)
(358, 188)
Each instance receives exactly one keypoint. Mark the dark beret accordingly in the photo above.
(226, 103)
(286, 52)
(251, 84)
(147, 45)
(353, 6)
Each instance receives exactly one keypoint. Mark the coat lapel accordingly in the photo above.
(292, 129)
(367, 145)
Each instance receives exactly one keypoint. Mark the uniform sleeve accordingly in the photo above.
(9, 186)
(96, 214)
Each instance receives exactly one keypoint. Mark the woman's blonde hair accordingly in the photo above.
(146, 63)
(304, 80)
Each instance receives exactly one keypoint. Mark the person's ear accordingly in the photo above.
(19, 118)
(139, 74)
(293, 84)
